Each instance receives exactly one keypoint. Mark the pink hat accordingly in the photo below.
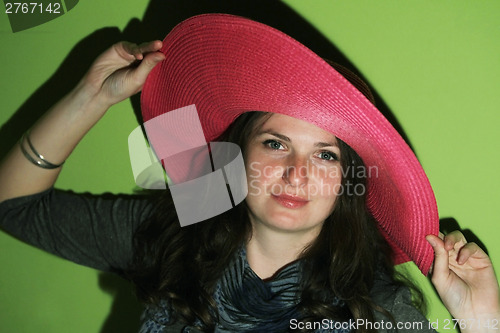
(227, 65)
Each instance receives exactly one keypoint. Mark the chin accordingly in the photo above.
(285, 222)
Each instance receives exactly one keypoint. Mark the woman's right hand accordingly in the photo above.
(115, 75)
(121, 71)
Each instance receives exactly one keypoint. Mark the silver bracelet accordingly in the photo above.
(40, 161)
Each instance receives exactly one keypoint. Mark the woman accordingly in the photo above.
(301, 248)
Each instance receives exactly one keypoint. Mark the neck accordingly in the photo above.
(269, 250)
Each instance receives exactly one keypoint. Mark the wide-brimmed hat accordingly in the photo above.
(227, 65)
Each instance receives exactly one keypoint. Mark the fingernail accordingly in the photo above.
(431, 241)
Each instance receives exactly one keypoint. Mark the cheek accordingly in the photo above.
(327, 183)
(261, 174)
(328, 191)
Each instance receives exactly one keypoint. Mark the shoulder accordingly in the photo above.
(396, 298)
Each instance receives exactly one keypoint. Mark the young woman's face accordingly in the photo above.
(293, 174)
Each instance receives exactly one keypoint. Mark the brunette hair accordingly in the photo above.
(182, 265)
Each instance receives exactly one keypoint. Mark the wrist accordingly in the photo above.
(87, 100)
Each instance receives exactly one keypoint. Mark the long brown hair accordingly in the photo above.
(182, 265)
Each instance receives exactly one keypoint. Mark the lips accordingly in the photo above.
(289, 201)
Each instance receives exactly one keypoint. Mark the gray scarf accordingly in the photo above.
(245, 303)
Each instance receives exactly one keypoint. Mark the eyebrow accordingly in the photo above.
(287, 139)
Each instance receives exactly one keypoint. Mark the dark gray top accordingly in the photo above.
(96, 231)
(91, 230)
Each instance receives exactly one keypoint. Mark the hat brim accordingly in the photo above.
(227, 65)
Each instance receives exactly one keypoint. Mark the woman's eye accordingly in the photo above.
(273, 144)
(328, 156)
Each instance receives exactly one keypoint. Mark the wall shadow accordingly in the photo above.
(124, 315)
(449, 224)
(57, 86)
(160, 17)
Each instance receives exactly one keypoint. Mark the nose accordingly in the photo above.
(296, 172)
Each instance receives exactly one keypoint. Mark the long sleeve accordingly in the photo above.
(91, 230)
(397, 300)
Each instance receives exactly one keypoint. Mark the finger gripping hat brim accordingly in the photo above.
(227, 65)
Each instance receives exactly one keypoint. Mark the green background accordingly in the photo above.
(434, 63)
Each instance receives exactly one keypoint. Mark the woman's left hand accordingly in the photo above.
(465, 280)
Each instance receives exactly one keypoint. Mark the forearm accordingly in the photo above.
(113, 77)
(54, 136)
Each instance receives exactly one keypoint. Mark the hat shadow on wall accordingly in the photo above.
(160, 17)
(449, 224)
